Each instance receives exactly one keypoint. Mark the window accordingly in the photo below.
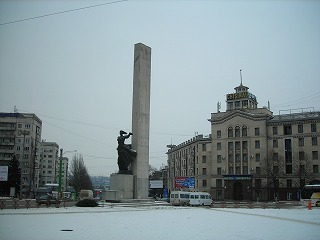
(244, 131)
(302, 169)
(219, 146)
(244, 145)
(289, 183)
(238, 146)
(257, 144)
(275, 143)
(289, 195)
(315, 169)
(287, 129)
(230, 132)
(313, 127)
(314, 141)
(230, 146)
(204, 183)
(238, 158)
(275, 156)
(275, 130)
(230, 158)
(289, 169)
(219, 194)
(237, 131)
(301, 142)
(219, 170)
(244, 170)
(219, 182)
(204, 159)
(257, 131)
(300, 128)
(230, 170)
(218, 158)
(204, 171)
(219, 134)
(257, 170)
(257, 157)
(245, 104)
(314, 155)
(301, 155)
(204, 147)
(238, 170)
(245, 157)
(237, 104)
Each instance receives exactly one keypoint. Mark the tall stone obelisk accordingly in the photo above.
(141, 119)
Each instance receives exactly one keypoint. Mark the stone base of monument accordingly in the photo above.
(121, 188)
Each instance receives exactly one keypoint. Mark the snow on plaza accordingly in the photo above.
(159, 222)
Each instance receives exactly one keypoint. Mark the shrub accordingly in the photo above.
(87, 203)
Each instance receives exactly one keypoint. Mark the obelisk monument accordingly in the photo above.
(141, 119)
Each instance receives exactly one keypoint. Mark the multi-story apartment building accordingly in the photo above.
(64, 173)
(20, 135)
(189, 165)
(49, 168)
(251, 153)
(50, 165)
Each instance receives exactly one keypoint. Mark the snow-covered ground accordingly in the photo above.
(159, 222)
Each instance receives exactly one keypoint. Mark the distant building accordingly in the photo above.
(20, 135)
(251, 154)
(189, 165)
(49, 168)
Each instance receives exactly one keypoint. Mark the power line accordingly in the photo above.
(300, 100)
(62, 12)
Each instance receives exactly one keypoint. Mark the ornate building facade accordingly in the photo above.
(251, 154)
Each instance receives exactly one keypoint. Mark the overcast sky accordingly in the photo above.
(74, 69)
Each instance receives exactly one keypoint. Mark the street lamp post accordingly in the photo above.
(60, 170)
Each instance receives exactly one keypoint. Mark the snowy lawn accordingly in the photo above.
(159, 222)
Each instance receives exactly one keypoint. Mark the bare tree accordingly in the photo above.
(78, 176)
(302, 168)
(273, 169)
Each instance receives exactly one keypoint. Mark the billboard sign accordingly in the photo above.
(156, 184)
(3, 173)
(184, 182)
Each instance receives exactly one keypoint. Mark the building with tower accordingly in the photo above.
(256, 155)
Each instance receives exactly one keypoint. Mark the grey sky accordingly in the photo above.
(75, 70)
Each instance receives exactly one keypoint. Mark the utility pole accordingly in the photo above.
(24, 133)
(60, 173)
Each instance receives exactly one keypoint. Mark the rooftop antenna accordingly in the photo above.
(218, 106)
(15, 110)
(241, 76)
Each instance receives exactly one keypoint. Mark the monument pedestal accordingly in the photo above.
(121, 188)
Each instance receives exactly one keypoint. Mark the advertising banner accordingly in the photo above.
(156, 184)
(3, 173)
(184, 182)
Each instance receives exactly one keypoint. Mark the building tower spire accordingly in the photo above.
(241, 77)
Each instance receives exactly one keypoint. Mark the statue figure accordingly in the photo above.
(126, 155)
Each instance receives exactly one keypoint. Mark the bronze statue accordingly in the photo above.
(126, 154)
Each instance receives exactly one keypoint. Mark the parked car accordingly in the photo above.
(47, 199)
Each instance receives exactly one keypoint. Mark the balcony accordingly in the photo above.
(7, 134)
(6, 151)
